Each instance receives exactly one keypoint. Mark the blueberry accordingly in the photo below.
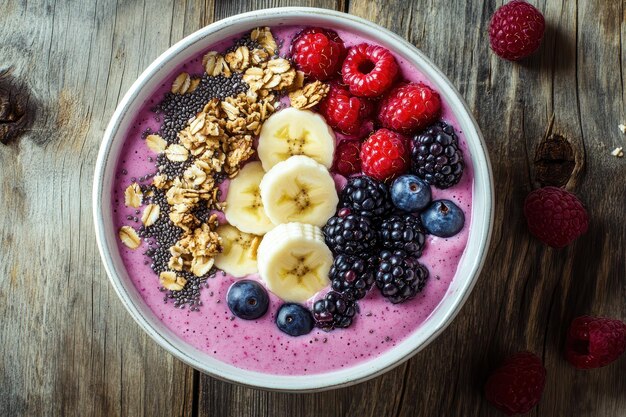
(294, 319)
(410, 193)
(247, 299)
(443, 218)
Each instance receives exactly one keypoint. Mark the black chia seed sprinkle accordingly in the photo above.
(172, 169)
(245, 41)
(177, 109)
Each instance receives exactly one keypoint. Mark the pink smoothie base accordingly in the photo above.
(258, 345)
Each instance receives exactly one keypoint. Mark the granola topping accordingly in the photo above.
(308, 96)
(194, 154)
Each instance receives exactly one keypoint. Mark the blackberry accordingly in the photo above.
(334, 311)
(367, 197)
(352, 276)
(402, 232)
(436, 157)
(399, 276)
(350, 234)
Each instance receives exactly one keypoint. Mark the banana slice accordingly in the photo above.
(244, 208)
(294, 261)
(299, 190)
(239, 251)
(295, 132)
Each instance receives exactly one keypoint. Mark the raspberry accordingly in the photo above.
(347, 158)
(593, 342)
(409, 107)
(517, 385)
(516, 30)
(384, 155)
(343, 111)
(369, 70)
(317, 52)
(555, 216)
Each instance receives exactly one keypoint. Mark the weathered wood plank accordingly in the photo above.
(69, 347)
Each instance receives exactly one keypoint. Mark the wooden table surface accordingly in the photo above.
(69, 348)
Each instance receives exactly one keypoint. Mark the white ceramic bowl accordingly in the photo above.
(469, 266)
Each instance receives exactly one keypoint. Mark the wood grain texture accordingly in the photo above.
(69, 348)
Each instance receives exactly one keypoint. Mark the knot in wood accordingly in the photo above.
(16, 113)
(554, 161)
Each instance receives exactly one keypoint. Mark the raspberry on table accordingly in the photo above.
(347, 158)
(384, 155)
(409, 108)
(517, 385)
(334, 311)
(400, 277)
(555, 216)
(366, 196)
(516, 30)
(318, 52)
(369, 70)
(436, 157)
(344, 112)
(594, 342)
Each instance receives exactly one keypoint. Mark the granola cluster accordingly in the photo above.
(217, 141)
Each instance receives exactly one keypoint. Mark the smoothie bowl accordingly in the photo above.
(293, 199)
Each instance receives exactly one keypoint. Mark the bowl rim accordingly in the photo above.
(335, 379)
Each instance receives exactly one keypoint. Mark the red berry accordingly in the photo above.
(384, 155)
(318, 52)
(343, 111)
(369, 70)
(347, 158)
(593, 342)
(409, 108)
(555, 216)
(516, 30)
(517, 385)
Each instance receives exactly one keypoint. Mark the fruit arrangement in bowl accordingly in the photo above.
(294, 199)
